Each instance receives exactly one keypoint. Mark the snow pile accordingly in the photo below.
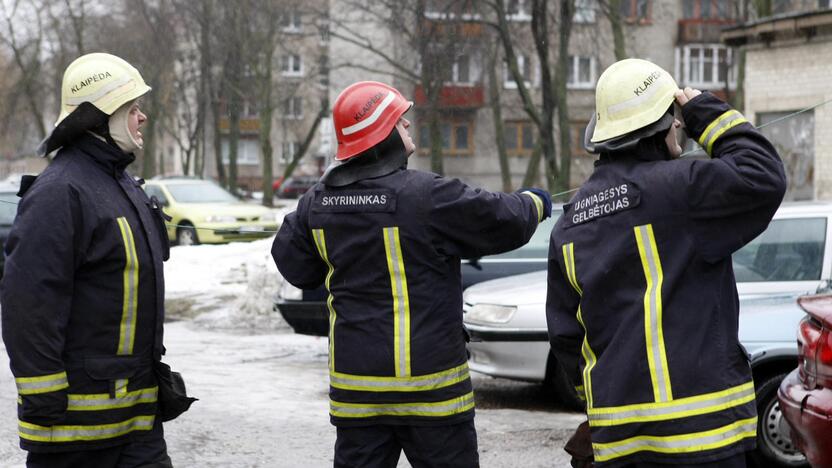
(224, 286)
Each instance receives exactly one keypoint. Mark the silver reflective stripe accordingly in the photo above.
(637, 100)
(680, 408)
(719, 126)
(538, 204)
(399, 384)
(41, 384)
(681, 443)
(83, 432)
(109, 87)
(98, 402)
(401, 301)
(657, 357)
(435, 409)
(127, 331)
(372, 118)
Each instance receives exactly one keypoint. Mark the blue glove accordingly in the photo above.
(544, 197)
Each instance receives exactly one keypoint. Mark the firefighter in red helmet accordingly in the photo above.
(387, 242)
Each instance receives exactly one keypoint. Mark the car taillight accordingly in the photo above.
(814, 346)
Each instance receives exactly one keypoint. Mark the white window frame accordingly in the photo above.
(683, 69)
(248, 151)
(584, 12)
(288, 63)
(576, 73)
(523, 13)
(473, 71)
(288, 150)
(295, 21)
(508, 80)
(293, 108)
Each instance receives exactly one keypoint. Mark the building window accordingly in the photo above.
(706, 66)
(824, 4)
(584, 11)
(518, 10)
(525, 66)
(581, 72)
(291, 65)
(288, 150)
(457, 138)
(519, 138)
(707, 9)
(451, 9)
(462, 70)
(635, 11)
(293, 108)
(290, 21)
(248, 151)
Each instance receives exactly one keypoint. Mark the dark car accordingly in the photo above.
(8, 210)
(806, 393)
(294, 187)
(306, 312)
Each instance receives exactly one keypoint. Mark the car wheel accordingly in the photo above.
(186, 235)
(774, 443)
(558, 384)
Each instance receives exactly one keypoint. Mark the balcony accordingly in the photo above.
(702, 31)
(454, 96)
(248, 126)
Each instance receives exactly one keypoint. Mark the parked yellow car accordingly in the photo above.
(203, 212)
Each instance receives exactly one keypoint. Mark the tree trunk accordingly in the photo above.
(533, 168)
(307, 141)
(738, 102)
(540, 32)
(497, 114)
(567, 10)
(613, 13)
(266, 110)
(215, 106)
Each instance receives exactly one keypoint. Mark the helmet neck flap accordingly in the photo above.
(380, 160)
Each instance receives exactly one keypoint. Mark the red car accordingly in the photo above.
(806, 394)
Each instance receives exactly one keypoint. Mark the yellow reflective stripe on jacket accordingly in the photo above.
(37, 433)
(41, 384)
(320, 243)
(436, 409)
(127, 330)
(653, 331)
(586, 350)
(98, 402)
(681, 443)
(416, 383)
(401, 301)
(538, 204)
(679, 408)
(720, 125)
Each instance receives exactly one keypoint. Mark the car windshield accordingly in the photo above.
(8, 207)
(789, 250)
(200, 193)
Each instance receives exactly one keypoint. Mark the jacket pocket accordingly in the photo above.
(115, 370)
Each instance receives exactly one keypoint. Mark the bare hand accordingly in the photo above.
(683, 96)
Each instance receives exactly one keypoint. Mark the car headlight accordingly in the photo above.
(270, 217)
(220, 219)
(490, 313)
(289, 292)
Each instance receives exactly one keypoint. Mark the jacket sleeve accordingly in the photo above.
(295, 252)
(470, 222)
(733, 196)
(566, 333)
(42, 254)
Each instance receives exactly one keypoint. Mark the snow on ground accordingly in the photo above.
(263, 389)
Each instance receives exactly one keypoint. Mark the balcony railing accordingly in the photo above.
(454, 96)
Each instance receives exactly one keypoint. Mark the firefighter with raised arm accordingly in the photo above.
(83, 291)
(642, 304)
(387, 242)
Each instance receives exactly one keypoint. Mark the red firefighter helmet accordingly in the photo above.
(364, 114)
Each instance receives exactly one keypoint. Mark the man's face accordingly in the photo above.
(402, 126)
(135, 120)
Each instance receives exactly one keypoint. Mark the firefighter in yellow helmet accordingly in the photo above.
(83, 290)
(387, 242)
(642, 302)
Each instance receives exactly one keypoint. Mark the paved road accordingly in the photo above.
(263, 403)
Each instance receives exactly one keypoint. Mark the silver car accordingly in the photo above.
(506, 319)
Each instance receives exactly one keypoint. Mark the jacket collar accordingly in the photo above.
(112, 159)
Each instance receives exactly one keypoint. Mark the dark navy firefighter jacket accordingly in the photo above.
(388, 250)
(642, 304)
(83, 302)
